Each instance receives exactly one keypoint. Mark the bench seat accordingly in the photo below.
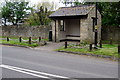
(72, 38)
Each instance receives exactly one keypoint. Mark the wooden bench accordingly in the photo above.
(71, 38)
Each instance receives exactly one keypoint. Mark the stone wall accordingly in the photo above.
(31, 31)
(86, 29)
(109, 32)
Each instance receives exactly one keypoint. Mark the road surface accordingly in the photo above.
(20, 62)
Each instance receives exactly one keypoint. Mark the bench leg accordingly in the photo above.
(65, 44)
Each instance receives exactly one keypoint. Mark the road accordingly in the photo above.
(20, 62)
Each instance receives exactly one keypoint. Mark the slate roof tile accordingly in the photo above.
(72, 11)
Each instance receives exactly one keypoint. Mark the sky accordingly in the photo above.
(56, 1)
(33, 2)
(59, 4)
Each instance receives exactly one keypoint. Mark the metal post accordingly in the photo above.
(8, 39)
(65, 44)
(90, 47)
(20, 39)
(30, 40)
(96, 28)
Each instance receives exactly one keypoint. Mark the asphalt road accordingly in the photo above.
(20, 62)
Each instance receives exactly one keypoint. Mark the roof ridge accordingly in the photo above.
(79, 6)
(72, 11)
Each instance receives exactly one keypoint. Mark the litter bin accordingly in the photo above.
(50, 35)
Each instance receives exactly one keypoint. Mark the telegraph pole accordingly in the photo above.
(96, 32)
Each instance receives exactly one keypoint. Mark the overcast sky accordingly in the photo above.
(32, 2)
(59, 4)
(55, 1)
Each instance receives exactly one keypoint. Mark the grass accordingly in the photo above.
(18, 43)
(108, 42)
(25, 38)
(107, 50)
(15, 41)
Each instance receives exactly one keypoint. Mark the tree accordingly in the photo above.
(110, 11)
(40, 12)
(71, 2)
(43, 14)
(33, 18)
(44, 9)
(15, 11)
(6, 12)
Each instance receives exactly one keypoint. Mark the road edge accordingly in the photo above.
(15, 45)
(94, 55)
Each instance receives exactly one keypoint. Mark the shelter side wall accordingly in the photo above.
(57, 30)
(63, 33)
(91, 33)
(56, 33)
(53, 31)
(83, 29)
(99, 26)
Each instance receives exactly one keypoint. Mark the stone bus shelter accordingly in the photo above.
(75, 24)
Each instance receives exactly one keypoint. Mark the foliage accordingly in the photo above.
(71, 2)
(33, 19)
(110, 11)
(43, 15)
(6, 13)
(15, 11)
(40, 12)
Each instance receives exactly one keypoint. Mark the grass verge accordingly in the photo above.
(15, 41)
(18, 43)
(24, 38)
(107, 50)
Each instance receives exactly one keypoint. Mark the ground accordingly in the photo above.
(17, 59)
(51, 46)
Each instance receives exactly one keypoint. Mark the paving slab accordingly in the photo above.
(51, 46)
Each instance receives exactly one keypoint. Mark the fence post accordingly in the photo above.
(65, 44)
(30, 40)
(20, 39)
(111, 41)
(8, 39)
(39, 39)
(90, 47)
(118, 48)
(100, 43)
